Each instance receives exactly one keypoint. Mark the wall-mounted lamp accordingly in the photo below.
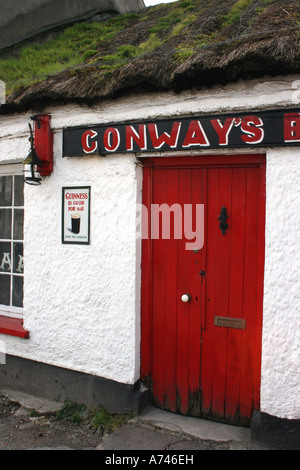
(33, 160)
(40, 157)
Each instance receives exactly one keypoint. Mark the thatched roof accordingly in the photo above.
(179, 46)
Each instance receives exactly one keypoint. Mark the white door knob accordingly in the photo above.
(186, 298)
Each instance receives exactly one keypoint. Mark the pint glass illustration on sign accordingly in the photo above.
(75, 226)
(76, 215)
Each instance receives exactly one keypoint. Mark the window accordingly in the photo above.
(11, 244)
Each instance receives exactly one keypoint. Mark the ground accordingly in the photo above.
(21, 430)
(75, 428)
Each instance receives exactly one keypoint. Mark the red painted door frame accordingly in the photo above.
(201, 162)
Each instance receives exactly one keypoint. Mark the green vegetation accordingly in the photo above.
(103, 47)
(124, 54)
(183, 23)
(176, 20)
(262, 8)
(72, 412)
(165, 28)
(189, 6)
(186, 50)
(152, 43)
(89, 46)
(83, 43)
(162, 24)
(107, 422)
(70, 48)
(236, 11)
(99, 419)
(121, 56)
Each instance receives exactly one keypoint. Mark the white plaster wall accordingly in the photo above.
(86, 311)
(82, 303)
(280, 388)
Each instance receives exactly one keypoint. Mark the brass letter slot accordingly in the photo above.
(230, 322)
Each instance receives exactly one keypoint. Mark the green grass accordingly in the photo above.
(90, 44)
(186, 50)
(176, 19)
(152, 43)
(72, 412)
(262, 8)
(82, 44)
(99, 419)
(124, 54)
(236, 11)
(72, 47)
(166, 22)
(105, 421)
(177, 29)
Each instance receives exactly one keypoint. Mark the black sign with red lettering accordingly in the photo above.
(262, 129)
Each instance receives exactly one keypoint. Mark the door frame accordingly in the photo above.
(207, 161)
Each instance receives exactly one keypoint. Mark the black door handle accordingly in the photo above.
(223, 217)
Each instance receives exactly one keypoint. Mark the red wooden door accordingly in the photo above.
(202, 357)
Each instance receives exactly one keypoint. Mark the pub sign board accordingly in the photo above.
(261, 129)
(76, 215)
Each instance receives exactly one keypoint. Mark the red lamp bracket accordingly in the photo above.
(43, 141)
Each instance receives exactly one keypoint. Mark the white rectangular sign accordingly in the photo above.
(76, 215)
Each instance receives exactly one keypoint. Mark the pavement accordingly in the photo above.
(156, 429)
(152, 430)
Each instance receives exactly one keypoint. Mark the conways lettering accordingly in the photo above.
(269, 128)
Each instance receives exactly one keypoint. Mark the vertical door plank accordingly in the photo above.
(221, 293)
(250, 291)
(184, 309)
(198, 263)
(207, 350)
(236, 289)
(171, 296)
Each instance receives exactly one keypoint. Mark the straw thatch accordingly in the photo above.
(221, 42)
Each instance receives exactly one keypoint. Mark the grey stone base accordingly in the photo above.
(59, 384)
(275, 433)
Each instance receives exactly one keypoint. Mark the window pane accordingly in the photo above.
(19, 186)
(5, 223)
(4, 289)
(17, 291)
(18, 224)
(5, 190)
(18, 258)
(5, 257)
